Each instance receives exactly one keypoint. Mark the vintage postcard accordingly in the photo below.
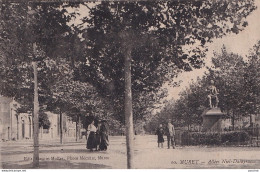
(130, 84)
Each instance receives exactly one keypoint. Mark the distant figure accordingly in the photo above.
(160, 133)
(103, 136)
(91, 136)
(257, 132)
(98, 135)
(212, 93)
(170, 133)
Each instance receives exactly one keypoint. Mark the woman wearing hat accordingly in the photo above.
(91, 139)
(104, 136)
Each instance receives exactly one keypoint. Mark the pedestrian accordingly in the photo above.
(170, 133)
(91, 136)
(160, 133)
(104, 142)
(98, 135)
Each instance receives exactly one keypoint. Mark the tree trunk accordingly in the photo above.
(129, 110)
(17, 117)
(250, 120)
(77, 128)
(11, 124)
(79, 133)
(35, 119)
(61, 130)
(233, 120)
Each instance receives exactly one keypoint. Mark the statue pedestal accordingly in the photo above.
(212, 120)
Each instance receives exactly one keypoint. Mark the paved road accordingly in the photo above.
(147, 155)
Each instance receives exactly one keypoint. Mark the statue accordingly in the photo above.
(212, 93)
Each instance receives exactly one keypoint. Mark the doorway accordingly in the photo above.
(30, 128)
(23, 129)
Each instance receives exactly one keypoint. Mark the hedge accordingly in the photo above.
(203, 138)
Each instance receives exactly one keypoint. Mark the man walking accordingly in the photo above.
(170, 133)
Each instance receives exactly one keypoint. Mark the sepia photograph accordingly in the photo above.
(130, 84)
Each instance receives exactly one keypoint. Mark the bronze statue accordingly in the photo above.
(212, 93)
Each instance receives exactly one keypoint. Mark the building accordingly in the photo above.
(19, 126)
(13, 126)
(5, 118)
(53, 131)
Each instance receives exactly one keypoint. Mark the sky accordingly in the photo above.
(240, 43)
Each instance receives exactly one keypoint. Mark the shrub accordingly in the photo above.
(234, 137)
(203, 138)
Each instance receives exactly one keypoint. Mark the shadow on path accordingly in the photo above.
(55, 151)
(56, 165)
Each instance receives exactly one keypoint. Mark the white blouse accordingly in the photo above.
(92, 127)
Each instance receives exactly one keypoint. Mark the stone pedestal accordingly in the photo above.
(212, 120)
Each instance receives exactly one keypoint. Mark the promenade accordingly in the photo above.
(73, 154)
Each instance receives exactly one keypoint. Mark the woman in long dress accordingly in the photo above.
(98, 135)
(104, 137)
(160, 133)
(91, 139)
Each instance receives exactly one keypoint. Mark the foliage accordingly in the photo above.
(199, 138)
(57, 45)
(236, 79)
(22, 25)
(229, 72)
(161, 118)
(44, 121)
(155, 33)
(251, 82)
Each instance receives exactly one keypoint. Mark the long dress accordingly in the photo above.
(104, 138)
(98, 136)
(91, 142)
(160, 133)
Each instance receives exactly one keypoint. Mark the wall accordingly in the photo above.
(18, 126)
(5, 119)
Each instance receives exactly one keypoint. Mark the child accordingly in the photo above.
(160, 133)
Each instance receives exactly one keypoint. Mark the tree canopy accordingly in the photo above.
(236, 79)
(155, 33)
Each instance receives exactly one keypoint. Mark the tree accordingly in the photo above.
(187, 110)
(30, 32)
(138, 46)
(234, 83)
(228, 70)
(251, 82)
(44, 121)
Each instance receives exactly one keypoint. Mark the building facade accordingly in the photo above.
(5, 119)
(19, 126)
(13, 125)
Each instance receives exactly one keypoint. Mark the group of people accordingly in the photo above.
(97, 136)
(169, 131)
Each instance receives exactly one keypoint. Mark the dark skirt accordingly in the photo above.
(91, 143)
(160, 138)
(104, 142)
(98, 138)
